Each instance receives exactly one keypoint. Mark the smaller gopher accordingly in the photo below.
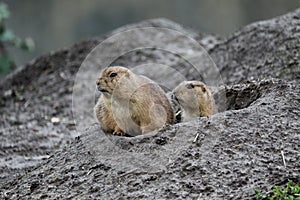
(194, 99)
(131, 104)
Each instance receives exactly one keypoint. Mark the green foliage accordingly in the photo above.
(4, 12)
(290, 192)
(5, 64)
(8, 38)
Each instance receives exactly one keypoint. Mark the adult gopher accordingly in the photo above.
(131, 104)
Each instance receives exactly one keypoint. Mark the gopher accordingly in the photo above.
(194, 99)
(131, 104)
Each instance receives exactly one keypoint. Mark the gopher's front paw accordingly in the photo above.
(118, 131)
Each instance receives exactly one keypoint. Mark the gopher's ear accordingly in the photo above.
(203, 88)
(127, 74)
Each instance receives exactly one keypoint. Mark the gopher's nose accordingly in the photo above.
(97, 83)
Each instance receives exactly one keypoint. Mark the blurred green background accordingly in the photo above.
(54, 24)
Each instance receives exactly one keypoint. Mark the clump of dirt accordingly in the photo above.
(252, 143)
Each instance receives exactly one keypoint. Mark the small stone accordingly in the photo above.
(55, 120)
(8, 93)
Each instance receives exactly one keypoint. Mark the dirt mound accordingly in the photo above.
(225, 156)
(260, 50)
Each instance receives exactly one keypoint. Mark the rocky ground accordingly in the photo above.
(51, 147)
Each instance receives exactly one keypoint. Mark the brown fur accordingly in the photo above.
(195, 100)
(130, 103)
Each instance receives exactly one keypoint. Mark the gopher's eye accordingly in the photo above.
(189, 86)
(113, 75)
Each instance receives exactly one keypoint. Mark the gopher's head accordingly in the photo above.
(194, 96)
(110, 78)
